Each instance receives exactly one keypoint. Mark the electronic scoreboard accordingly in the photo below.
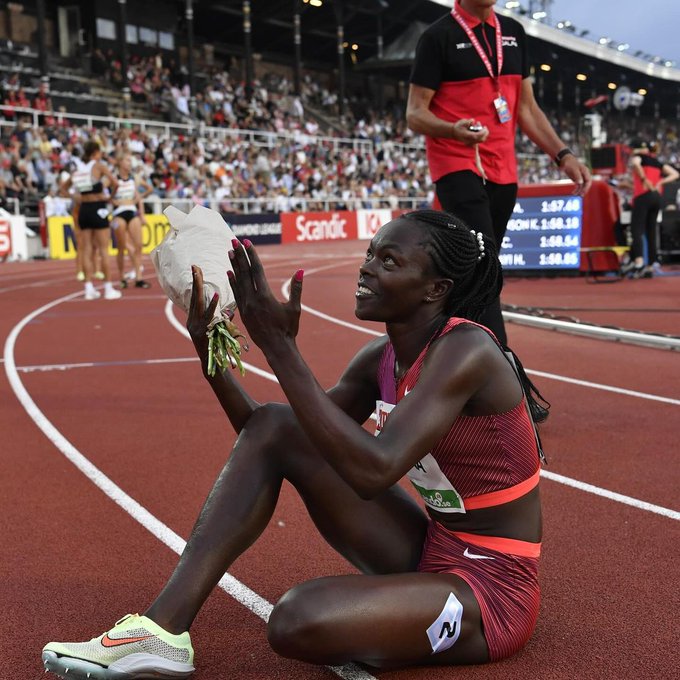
(543, 233)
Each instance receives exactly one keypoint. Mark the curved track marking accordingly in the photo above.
(240, 592)
(606, 388)
(46, 368)
(612, 495)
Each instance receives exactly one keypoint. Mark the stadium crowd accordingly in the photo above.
(304, 163)
(295, 172)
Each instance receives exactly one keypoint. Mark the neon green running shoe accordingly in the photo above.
(134, 648)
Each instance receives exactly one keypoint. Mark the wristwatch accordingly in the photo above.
(561, 154)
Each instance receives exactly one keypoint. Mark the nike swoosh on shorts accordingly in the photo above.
(474, 556)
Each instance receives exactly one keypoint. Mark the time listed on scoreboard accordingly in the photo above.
(544, 233)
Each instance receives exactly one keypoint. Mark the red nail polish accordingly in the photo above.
(215, 296)
(299, 274)
(247, 243)
(234, 243)
(230, 274)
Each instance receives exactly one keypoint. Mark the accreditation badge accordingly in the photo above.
(502, 109)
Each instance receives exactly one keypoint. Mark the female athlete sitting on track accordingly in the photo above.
(454, 585)
(127, 220)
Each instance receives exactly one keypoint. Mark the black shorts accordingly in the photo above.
(126, 215)
(94, 215)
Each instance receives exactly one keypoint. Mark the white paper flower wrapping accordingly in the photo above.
(202, 238)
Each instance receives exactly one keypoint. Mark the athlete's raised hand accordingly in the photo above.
(267, 320)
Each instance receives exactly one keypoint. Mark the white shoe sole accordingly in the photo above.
(93, 296)
(113, 295)
(131, 667)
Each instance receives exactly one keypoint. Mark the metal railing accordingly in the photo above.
(16, 203)
(249, 206)
(259, 138)
(267, 139)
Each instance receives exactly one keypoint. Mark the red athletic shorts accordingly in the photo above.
(505, 585)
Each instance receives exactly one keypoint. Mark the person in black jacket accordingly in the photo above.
(649, 176)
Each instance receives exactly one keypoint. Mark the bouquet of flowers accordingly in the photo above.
(202, 238)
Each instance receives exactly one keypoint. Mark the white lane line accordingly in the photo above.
(611, 495)
(285, 291)
(560, 479)
(606, 388)
(339, 322)
(46, 368)
(173, 320)
(239, 591)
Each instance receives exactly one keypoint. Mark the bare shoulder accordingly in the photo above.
(467, 354)
(470, 340)
(470, 362)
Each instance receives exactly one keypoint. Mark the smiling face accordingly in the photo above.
(397, 280)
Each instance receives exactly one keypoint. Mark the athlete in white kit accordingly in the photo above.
(128, 217)
(93, 216)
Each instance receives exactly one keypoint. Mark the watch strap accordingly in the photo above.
(562, 153)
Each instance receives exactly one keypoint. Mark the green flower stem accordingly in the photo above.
(223, 350)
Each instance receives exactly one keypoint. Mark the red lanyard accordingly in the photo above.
(475, 43)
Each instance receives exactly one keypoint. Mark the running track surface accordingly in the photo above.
(118, 384)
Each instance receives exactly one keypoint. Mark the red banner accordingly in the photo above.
(5, 238)
(369, 221)
(311, 227)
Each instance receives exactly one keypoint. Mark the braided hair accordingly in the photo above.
(466, 257)
(471, 261)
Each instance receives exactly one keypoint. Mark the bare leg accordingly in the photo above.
(121, 245)
(381, 621)
(377, 619)
(88, 253)
(80, 247)
(135, 236)
(384, 535)
(101, 241)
